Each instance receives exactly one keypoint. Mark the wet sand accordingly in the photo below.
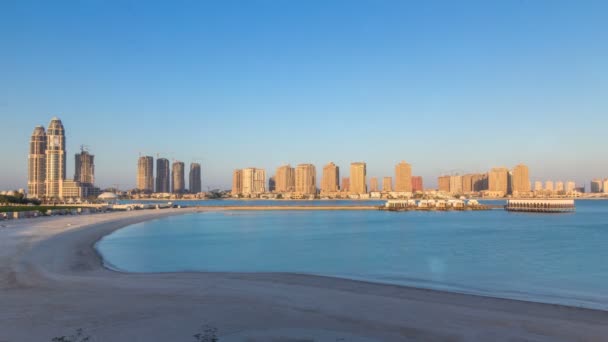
(52, 281)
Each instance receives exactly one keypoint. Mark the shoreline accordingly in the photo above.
(49, 266)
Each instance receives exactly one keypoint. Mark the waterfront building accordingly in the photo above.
(259, 181)
(253, 181)
(237, 182)
(417, 185)
(178, 181)
(345, 184)
(195, 181)
(444, 183)
(467, 183)
(403, 177)
(559, 186)
(479, 182)
(520, 183)
(596, 186)
(72, 189)
(84, 170)
(549, 186)
(456, 184)
(247, 180)
(538, 186)
(570, 187)
(145, 174)
(37, 163)
(387, 184)
(55, 155)
(330, 182)
(285, 179)
(499, 180)
(306, 179)
(272, 184)
(358, 173)
(163, 176)
(605, 185)
(373, 184)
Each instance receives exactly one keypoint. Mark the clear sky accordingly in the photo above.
(449, 86)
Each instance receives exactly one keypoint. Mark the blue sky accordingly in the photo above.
(449, 86)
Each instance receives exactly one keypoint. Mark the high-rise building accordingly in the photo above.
(195, 181)
(570, 187)
(285, 179)
(163, 176)
(259, 181)
(345, 184)
(605, 185)
(387, 184)
(253, 181)
(479, 182)
(178, 181)
(358, 173)
(455, 184)
(417, 184)
(549, 185)
(403, 177)
(237, 182)
(538, 186)
(55, 158)
(84, 170)
(467, 183)
(499, 180)
(373, 184)
(443, 183)
(520, 182)
(272, 184)
(559, 186)
(306, 179)
(145, 174)
(37, 163)
(330, 182)
(596, 186)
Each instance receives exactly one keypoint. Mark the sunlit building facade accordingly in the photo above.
(37, 163)
(358, 174)
(145, 174)
(55, 158)
(330, 181)
(306, 179)
(403, 177)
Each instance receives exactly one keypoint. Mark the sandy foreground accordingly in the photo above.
(52, 282)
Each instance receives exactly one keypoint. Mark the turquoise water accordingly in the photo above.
(555, 258)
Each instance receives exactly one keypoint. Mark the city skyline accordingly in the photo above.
(208, 90)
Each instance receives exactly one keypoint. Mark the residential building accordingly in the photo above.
(345, 184)
(373, 184)
(259, 181)
(145, 174)
(84, 170)
(285, 179)
(417, 184)
(559, 186)
(520, 181)
(596, 186)
(37, 163)
(272, 184)
(570, 187)
(163, 176)
(306, 179)
(330, 182)
(387, 184)
(195, 181)
(443, 183)
(605, 185)
(237, 182)
(456, 184)
(358, 174)
(178, 181)
(467, 183)
(403, 177)
(538, 186)
(479, 182)
(549, 186)
(72, 189)
(55, 155)
(498, 180)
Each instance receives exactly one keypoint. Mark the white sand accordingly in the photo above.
(52, 282)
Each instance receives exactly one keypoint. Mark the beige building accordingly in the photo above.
(403, 177)
(538, 186)
(373, 184)
(259, 181)
(285, 179)
(387, 184)
(479, 182)
(596, 186)
(306, 179)
(549, 186)
(358, 174)
(605, 186)
(345, 184)
(55, 155)
(237, 182)
(253, 181)
(330, 181)
(145, 174)
(498, 180)
(520, 180)
(467, 183)
(178, 178)
(570, 186)
(37, 163)
(559, 186)
(443, 183)
(72, 189)
(455, 184)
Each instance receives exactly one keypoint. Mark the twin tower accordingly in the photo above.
(46, 162)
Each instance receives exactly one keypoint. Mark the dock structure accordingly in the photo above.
(540, 206)
(432, 205)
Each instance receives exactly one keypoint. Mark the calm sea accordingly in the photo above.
(555, 258)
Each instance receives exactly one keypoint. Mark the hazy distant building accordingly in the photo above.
(306, 179)
(467, 183)
(37, 163)
(498, 180)
(538, 186)
(195, 181)
(237, 182)
(570, 187)
(520, 180)
(596, 186)
(417, 184)
(72, 189)
(259, 181)
(373, 184)
(55, 158)
(253, 181)
(387, 184)
(403, 177)
(358, 173)
(479, 182)
(345, 184)
(178, 181)
(549, 186)
(559, 186)
(330, 181)
(605, 186)
(163, 175)
(84, 169)
(285, 179)
(443, 183)
(145, 174)
(455, 184)
(272, 184)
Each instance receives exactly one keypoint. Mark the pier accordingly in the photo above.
(540, 206)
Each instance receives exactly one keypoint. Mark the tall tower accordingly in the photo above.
(285, 179)
(498, 180)
(55, 158)
(195, 178)
(331, 178)
(403, 177)
(387, 184)
(163, 175)
(373, 184)
(521, 179)
(306, 179)
(358, 172)
(84, 170)
(178, 185)
(237, 182)
(145, 174)
(37, 163)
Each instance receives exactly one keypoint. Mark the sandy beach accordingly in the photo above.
(52, 282)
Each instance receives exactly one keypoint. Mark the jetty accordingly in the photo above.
(540, 206)
(435, 205)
